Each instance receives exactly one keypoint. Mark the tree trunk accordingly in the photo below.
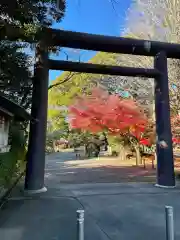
(122, 153)
(138, 155)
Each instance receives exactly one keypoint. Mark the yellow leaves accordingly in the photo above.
(52, 113)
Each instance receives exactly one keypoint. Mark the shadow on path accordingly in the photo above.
(113, 211)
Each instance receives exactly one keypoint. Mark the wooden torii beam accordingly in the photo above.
(86, 41)
(102, 69)
(111, 44)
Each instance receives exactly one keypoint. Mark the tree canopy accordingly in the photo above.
(16, 63)
(101, 111)
(69, 85)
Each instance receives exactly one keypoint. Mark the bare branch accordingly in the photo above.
(67, 57)
(114, 2)
(64, 81)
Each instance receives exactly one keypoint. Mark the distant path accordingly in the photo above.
(66, 169)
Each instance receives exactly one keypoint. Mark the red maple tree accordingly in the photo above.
(101, 111)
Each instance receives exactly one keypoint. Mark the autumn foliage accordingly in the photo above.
(101, 111)
(175, 125)
(149, 135)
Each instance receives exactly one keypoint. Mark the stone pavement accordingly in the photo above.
(112, 210)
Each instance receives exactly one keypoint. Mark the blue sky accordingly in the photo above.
(91, 16)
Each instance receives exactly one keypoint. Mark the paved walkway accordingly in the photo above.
(129, 211)
(97, 170)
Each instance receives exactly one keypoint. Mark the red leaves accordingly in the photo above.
(100, 111)
(145, 142)
(176, 140)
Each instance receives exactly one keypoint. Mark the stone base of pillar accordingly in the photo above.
(162, 186)
(32, 192)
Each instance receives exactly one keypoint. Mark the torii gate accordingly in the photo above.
(52, 37)
(34, 181)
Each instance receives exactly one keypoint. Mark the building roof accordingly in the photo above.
(10, 108)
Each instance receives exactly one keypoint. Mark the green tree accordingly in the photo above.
(16, 64)
(15, 75)
(68, 85)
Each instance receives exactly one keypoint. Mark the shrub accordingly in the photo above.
(12, 163)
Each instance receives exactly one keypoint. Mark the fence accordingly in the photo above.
(168, 216)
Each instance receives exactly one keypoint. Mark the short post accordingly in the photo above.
(169, 223)
(80, 224)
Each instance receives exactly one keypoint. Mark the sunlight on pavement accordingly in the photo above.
(91, 163)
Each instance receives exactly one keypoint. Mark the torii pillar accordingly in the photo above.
(165, 161)
(34, 180)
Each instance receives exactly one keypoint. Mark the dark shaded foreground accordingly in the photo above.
(130, 211)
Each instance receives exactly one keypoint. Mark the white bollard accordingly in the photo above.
(169, 223)
(80, 224)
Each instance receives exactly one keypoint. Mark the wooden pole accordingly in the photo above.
(165, 163)
(102, 69)
(34, 181)
(81, 40)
